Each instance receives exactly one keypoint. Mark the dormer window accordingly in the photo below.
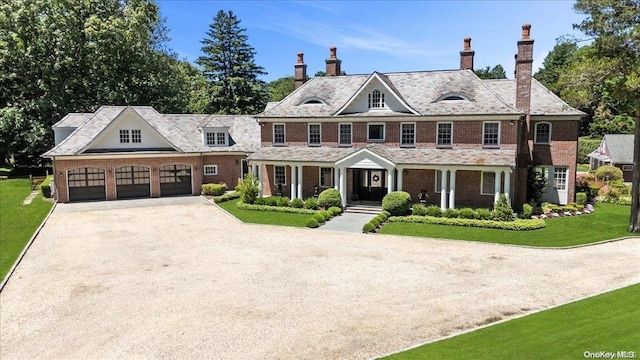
(452, 97)
(376, 99)
(312, 101)
(216, 138)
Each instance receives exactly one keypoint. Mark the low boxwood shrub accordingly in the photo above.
(383, 216)
(297, 203)
(484, 214)
(329, 197)
(45, 187)
(335, 210)
(419, 210)
(396, 203)
(386, 213)
(467, 213)
(374, 222)
(581, 198)
(282, 201)
(450, 213)
(608, 173)
(245, 206)
(319, 218)
(312, 223)
(214, 189)
(518, 224)
(226, 197)
(368, 227)
(433, 210)
(311, 203)
(379, 219)
(327, 215)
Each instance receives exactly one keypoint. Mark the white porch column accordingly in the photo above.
(507, 184)
(252, 170)
(343, 185)
(293, 183)
(300, 181)
(259, 166)
(452, 189)
(399, 187)
(336, 178)
(389, 181)
(496, 187)
(443, 190)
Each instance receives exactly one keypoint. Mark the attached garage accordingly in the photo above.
(175, 180)
(133, 182)
(87, 184)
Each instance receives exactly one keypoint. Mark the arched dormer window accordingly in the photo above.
(452, 97)
(376, 99)
(312, 101)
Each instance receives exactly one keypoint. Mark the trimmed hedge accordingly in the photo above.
(368, 227)
(518, 224)
(45, 187)
(312, 223)
(396, 203)
(214, 189)
(581, 198)
(335, 210)
(319, 218)
(226, 197)
(329, 197)
(297, 203)
(327, 215)
(311, 203)
(245, 206)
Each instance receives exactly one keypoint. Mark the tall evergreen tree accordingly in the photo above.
(229, 65)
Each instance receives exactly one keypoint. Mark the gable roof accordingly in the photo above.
(181, 131)
(419, 90)
(620, 148)
(384, 81)
(73, 120)
(543, 101)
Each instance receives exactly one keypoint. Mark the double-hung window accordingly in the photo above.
(314, 134)
(407, 134)
(278, 134)
(491, 134)
(445, 135)
(216, 138)
(488, 183)
(326, 177)
(344, 134)
(375, 131)
(279, 175)
(542, 133)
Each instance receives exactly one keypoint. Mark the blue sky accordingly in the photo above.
(384, 36)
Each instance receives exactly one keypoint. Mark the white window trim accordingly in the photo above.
(384, 131)
(438, 132)
(210, 170)
(415, 133)
(535, 135)
(499, 133)
(215, 138)
(273, 133)
(482, 182)
(275, 182)
(320, 176)
(309, 134)
(350, 134)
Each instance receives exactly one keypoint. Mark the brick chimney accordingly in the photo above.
(300, 74)
(466, 55)
(524, 68)
(333, 63)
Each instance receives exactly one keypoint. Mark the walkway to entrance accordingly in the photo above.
(347, 222)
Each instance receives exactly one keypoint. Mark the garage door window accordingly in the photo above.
(86, 177)
(132, 175)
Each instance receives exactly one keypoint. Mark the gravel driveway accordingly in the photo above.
(180, 278)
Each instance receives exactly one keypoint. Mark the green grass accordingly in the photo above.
(609, 221)
(265, 217)
(18, 222)
(583, 167)
(608, 322)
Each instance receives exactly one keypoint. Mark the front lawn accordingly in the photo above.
(609, 221)
(18, 222)
(265, 217)
(608, 322)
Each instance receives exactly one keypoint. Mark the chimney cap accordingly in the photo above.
(467, 43)
(526, 31)
(300, 58)
(332, 52)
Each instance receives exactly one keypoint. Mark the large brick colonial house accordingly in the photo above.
(460, 139)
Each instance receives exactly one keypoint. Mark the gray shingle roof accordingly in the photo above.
(620, 148)
(543, 101)
(420, 90)
(463, 157)
(180, 130)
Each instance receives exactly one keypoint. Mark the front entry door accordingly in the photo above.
(370, 184)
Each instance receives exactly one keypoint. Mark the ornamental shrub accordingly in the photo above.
(297, 203)
(282, 201)
(518, 224)
(527, 211)
(502, 210)
(608, 173)
(374, 222)
(433, 210)
(397, 203)
(319, 218)
(383, 216)
(327, 215)
(311, 203)
(243, 206)
(248, 189)
(335, 210)
(379, 219)
(214, 189)
(45, 187)
(484, 214)
(581, 198)
(226, 197)
(386, 213)
(329, 197)
(418, 210)
(450, 213)
(368, 227)
(312, 223)
(467, 213)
